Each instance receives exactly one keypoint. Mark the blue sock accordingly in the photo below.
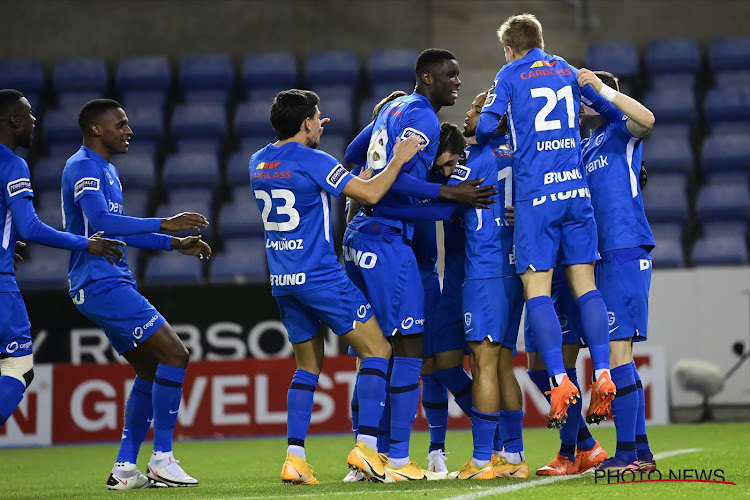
(624, 411)
(511, 428)
(139, 410)
(483, 426)
(459, 383)
(585, 440)
(165, 396)
(404, 401)
(384, 429)
(11, 394)
(595, 326)
(371, 394)
(355, 409)
(569, 430)
(435, 403)
(641, 439)
(547, 333)
(541, 380)
(498, 444)
(299, 405)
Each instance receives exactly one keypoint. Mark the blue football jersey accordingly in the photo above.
(612, 160)
(455, 252)
(489, 237)
(16, 183)
(407, 116)
(291, 184)
(424, 243)
(87, 173)
(541, 95)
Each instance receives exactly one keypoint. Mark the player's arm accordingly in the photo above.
(190, 245)
(439, 210)
(353, 206)
(369, 192)
(101, 219)
(495, 106)
(640, 118)
(356, 151)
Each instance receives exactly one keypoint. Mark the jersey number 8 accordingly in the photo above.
(286, 209)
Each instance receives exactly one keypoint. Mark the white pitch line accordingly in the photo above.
(459, 486)
(552, 479)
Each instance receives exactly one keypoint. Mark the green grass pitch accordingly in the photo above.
(249, 469)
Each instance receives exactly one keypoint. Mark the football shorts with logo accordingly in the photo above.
(547, 227)
(492, 309)
(339, 307)
(389, 278)
(568, 313)
(624, 280)
(125, 315)
(449, 331)
(15, 328)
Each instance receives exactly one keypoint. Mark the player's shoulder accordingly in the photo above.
(80, 162)
(11, 161)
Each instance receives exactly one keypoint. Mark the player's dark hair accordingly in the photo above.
(608, 79)
(393, 95)
(502, 126)
(92, 111)
(521, 32)
(451, 139)
(9, 99)
(289, 110)
(429, 58)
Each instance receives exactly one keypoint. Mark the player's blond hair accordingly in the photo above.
(521, 32)
(390, 97)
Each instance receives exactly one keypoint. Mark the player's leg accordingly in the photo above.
(355, 475)
(16, 361)
(449, 347)
(643, 450)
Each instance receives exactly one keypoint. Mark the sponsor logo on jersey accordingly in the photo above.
(556, 144)
(115, 207)
(288, 279)
(365, 260)
(467, 318)
(545, 71)
(564, 176)
(411, 132)
(335, 175)
(86, 184)
(599, 139)
(267, 165)
(138, 332)
(540, 64)
(461, 172)
(14, 346)
(563, 195)
(265, 174)
(409, 322)
(282, 245)
(600, 162)
(19, 186)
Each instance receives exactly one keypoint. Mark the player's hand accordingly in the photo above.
(643, 176)
(405, 150)
(365, 174)
(587, 77)
(192, 245)
(469, 193)
(323, 122)
(17, 259)
(185, 220)
(510, 215)
(105, 247)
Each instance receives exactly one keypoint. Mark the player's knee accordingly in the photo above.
(20, 368)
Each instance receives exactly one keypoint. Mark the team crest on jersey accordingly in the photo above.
(599, 139)
(461, 172)
(335, 176)
(86, 184)
(467, 318)
(19, 186)
(410, 132)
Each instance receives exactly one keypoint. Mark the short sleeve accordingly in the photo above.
(18, 183)
(327, 172)
(500, 93)
(421, 123)
(85, 177)
(620, 129)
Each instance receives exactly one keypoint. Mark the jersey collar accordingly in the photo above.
(95, 156)
(535, 54)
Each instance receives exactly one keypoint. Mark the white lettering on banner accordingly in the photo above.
(191, 337)
(556, 144)
(105, 412)
(189, 408)
(567, 175)
(288, 279)
(271, 325)
(262, 414)
(81, 346)
(31, 423)
(232, 343)
(220, 399)
(348, 378)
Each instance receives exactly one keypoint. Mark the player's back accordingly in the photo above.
(291, 185)
(542, 97)
(14, 176)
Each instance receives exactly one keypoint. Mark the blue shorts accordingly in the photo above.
(125, 315)
(564, 228)
(449, 330)
(568, 313)
(624, 287)
(15, 329)
(339, 307)
(431, 308)
(492, 309)
(392, 283)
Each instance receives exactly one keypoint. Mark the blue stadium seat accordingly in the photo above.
(730, 53)
(265, 95)
(208, 96)
(668, 154)
(674, 80)
(276, 70)
(75, 99)
(173, 268)
(668, 253)
(45, 268)
(141, 146)
(619, 58)
(725, 152)
(25, 76)
(238, 172)
(242, 193)
(191, 170)
(80, 74)
(730, 250)
(52, 216)
(243, 261)
(240, 218)
(199, 120)
(727, 104)
(143, 73)
(673, 56)
(732, 78)
(334, 144)
(727, 178)
(664, 130)
(667, 231)
(46, 173)
(136, 202)
(252, 144)
(391, 65)
(133, 259)
(170, 209)
(144, 98)
(332, 68)
(341, 113)
(730, 128)
(715, 229)
(185, 196)
(137, 171)
(61, 125)
(328, 93)
(253, 119)
(147, 122)
(206, 72)
(63, 147)
(198, 145)
(381, 90)
(672, 104)
(365, 111)
(725, 202)
(665, 199)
